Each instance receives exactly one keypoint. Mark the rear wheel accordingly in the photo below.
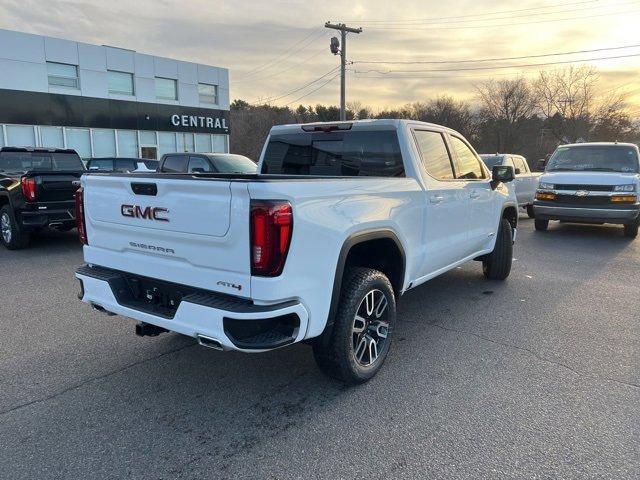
(497, 264)
(11, 234)
(356, 347)
(530, 211)
(631, 230)
(542, 225)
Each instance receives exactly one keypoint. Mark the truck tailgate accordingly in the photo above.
(183, 230)
(54, 186)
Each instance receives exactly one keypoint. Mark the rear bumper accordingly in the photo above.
(237, 324)
(625, 215)
(59, 218)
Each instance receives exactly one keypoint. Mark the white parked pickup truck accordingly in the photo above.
(341, 219)
(591, 183)
(526, 181)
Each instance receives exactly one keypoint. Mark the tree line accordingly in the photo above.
(530, 117)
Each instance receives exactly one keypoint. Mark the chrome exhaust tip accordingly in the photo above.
(209, 342)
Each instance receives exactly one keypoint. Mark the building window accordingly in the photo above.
(62, 75)
(127, 143)
(79, 139)
(120, 83)
(166, 89)
(104, 143)
(208, 93)
(20, 136)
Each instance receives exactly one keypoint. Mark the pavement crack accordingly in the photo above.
(92, 379)
(536, 355)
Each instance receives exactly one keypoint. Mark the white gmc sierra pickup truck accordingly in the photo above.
(341, 219)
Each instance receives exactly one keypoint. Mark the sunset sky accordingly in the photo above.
(275, 49)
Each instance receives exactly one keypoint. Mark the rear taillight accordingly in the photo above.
(82, 228)
(28, 188)
(271, 229)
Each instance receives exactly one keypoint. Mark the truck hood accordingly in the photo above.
(589, 178)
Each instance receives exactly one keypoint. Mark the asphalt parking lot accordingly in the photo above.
(537, 377)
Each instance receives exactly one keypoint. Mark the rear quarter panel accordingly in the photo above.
(326, 213)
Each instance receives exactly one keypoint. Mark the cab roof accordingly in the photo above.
(369, 124)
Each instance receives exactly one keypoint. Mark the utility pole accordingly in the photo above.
(343, 59)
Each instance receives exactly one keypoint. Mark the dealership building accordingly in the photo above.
(106, 101)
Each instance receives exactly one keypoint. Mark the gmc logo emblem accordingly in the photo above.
(148, 213)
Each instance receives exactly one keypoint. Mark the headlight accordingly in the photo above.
(546, 186)
(625, 188)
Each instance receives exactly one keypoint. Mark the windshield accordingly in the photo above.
(40, 161)
(594, 158)
(492, 160)
(233, 164)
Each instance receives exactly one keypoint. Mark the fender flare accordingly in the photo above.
(351, 241)
(509, 205)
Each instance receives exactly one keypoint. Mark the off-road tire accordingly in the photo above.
(334, 350)
(17, 237)
(497, 264)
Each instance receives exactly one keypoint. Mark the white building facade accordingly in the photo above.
(105, 101)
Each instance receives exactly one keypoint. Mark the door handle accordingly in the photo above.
(473, 194)
(436, 199)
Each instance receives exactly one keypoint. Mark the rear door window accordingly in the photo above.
(339, 153)
(520, 164)
(468, 164)
(434, 154)
(175, 164)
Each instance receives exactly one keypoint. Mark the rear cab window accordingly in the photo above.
(344, 153)
(40, 161)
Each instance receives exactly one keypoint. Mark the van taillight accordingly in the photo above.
(80, 223)
(28, 188)
(271, 229)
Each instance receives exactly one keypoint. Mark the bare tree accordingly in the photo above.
(506, 105)
(567, 99)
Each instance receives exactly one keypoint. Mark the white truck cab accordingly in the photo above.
(526, 181)
(591, 183)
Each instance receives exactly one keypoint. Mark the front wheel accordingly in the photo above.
(542, 225)
(530, 211)
(356, 347)
(497, 264)
(631, 230)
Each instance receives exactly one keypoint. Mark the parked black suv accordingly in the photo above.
(37, 187)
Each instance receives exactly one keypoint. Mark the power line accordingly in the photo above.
(309, 39)
(278, 97)
(507, 24)
(434, 62)
(313, 91)
(535, 14)
(384, 74)
(482, 14)
(284, 70)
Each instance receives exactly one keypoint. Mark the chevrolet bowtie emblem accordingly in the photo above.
(582, 193)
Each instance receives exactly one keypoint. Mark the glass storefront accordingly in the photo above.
(98, 142)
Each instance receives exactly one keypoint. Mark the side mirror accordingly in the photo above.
(501, 174)
(542, 163)
(197, 170)
(518, 172)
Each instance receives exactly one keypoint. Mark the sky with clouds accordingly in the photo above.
(276, 47)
